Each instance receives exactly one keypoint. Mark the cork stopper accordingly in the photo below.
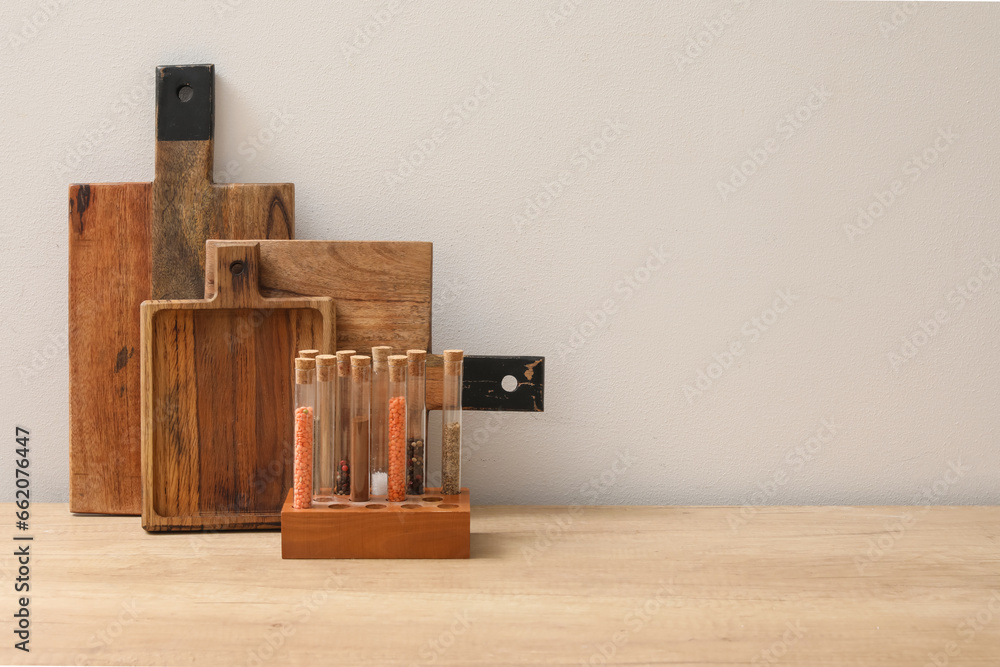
(380, 353)
(397, 368)
(417, 360)
(344, 362)
(360, 365)
(309, 354)
(326, 367)
(305, 370)
(452, 362)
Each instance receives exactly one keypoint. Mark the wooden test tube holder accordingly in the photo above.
(421, 526)
(428, 526)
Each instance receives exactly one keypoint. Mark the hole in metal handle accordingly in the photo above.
(509, 383)
(185, 93)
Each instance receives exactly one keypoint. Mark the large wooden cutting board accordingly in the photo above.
(217, 424)
(134, 241)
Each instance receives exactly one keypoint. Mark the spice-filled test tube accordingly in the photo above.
(305, 411)
(379, 460)
(451, 423)
(326, 417)
(342, 426)
(397, 428)
(361, 396)
(416, 421)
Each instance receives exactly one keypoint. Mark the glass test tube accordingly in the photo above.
(416, 421)
(326, 415)
(305, 411)
(361, 396)
(451, 423)
(342, 426)
(380, 420)
(397, 428)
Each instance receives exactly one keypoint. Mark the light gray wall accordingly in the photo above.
(685, 94)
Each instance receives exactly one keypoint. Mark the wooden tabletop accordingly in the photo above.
(546, 585)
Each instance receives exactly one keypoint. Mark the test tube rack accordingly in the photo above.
(428, 526)
(431, 525)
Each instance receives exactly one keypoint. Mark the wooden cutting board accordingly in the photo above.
(382, 289)
(217, 425)
(134, 241)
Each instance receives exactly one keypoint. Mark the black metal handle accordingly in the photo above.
(482, 386)
(185, 102)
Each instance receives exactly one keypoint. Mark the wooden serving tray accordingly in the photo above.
(217, 425)
(129, 242)
(428, 526)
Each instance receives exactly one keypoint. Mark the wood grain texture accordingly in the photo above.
(128, 243)
(217, 399)
(189, 209)
(382, 289)
(677, 586)
(109, 276)
(437, 527)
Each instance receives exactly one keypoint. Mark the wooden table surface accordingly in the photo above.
(545, 585)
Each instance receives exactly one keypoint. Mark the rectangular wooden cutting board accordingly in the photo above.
(134, 241)
(382, 288)
(217, 426)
